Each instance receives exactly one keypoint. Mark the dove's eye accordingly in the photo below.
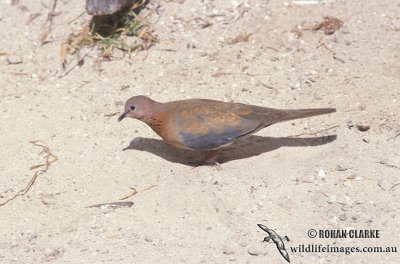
(132, 107)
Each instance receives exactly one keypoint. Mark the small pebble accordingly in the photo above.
(228, 250)
(14, 59)
(333, 220)
(332, 199)
(148, 239)
(321, 174)
(342, 217)
(340, 168)
(362, 107)
(366, 140)
(363, 128)
(254, 251)
(347, 184)
(351, 177)
(345, 208)
(350, 124)
(243, 243)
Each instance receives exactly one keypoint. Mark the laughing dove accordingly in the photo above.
(202, 124)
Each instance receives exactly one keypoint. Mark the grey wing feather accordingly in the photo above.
(216, 138)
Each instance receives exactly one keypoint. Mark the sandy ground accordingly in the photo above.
(202, 215)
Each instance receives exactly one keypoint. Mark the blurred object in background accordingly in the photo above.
(106, 7)
(311, 2)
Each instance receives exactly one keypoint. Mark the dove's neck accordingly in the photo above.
(154, 116)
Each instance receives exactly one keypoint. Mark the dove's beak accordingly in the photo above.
(123, 116)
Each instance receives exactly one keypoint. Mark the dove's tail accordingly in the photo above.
(302, 113)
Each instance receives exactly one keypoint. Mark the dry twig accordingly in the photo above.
(49, 22)
(315, 133)
(130, 195)
(396, 136)
(380, 184)
(50, 158)
(384, 163)
(134, 191)
(78, 63)
(113, 205)
(393, 186)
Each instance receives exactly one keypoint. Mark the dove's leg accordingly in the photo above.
(209, 159)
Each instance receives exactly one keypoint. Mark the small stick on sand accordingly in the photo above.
(50, 158)
(315, 133)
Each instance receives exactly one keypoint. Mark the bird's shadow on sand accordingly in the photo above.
(249, 147)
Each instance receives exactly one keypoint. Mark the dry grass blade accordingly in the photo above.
(315, 133)
(49, 22)
(240, 38)
(112, 205)
(394, 186)
(134, 191)
(396, 136)
(50, 158)
(387, 164)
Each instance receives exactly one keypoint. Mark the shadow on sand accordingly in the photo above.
(245, 148)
